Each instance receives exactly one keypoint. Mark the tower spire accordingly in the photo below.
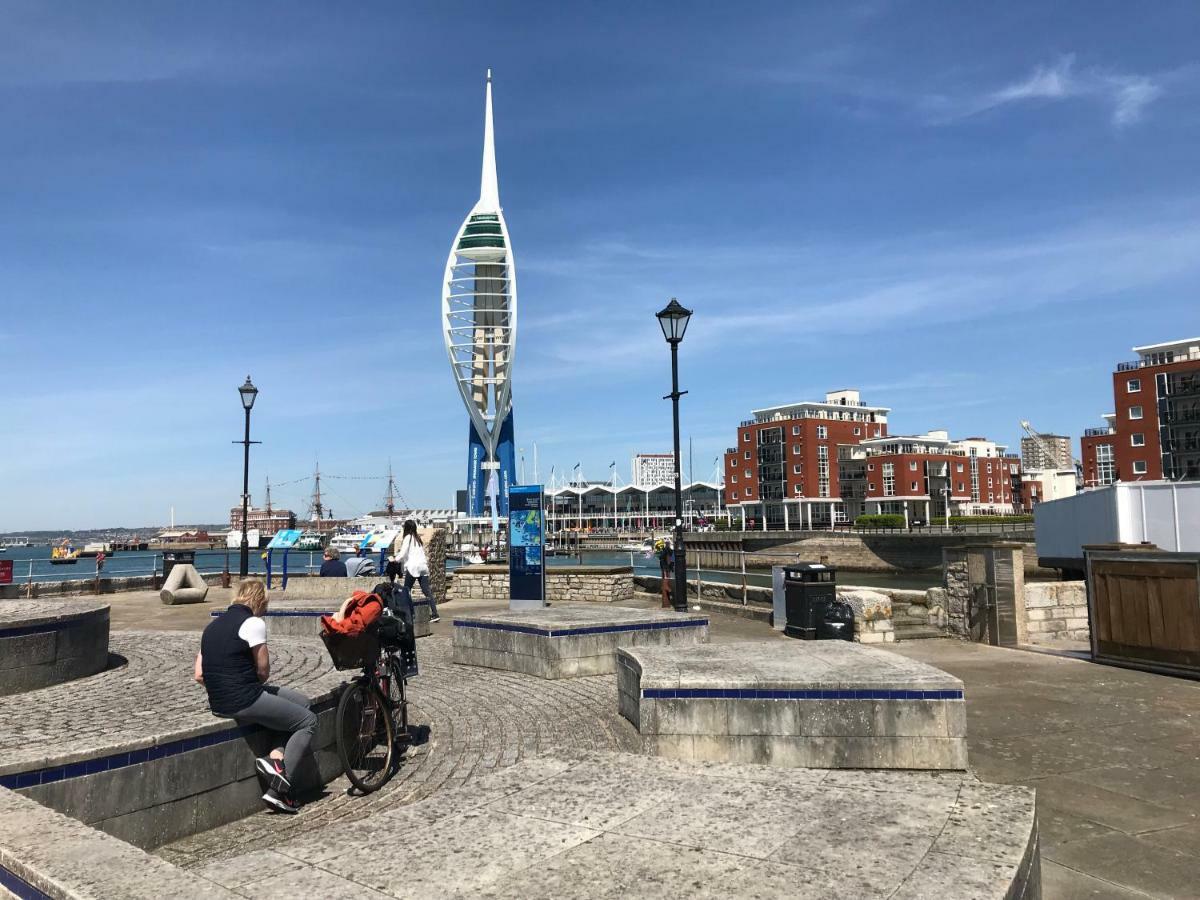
(489, 187)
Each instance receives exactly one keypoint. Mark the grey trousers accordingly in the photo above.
(283, 710)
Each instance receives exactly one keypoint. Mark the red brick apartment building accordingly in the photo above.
(1154, 431)
(928, 476)
(783, 472)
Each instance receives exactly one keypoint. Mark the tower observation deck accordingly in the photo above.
(479, 324)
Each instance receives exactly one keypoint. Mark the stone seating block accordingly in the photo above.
(819, 704)
(44, 642)
(570, 639)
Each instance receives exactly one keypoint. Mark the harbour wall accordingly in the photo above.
(887, 552)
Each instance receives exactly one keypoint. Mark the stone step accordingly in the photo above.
(917, 632)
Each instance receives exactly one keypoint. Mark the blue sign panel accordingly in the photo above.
(526, 548)
(284, 540)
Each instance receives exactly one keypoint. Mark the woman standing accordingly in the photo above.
(415, 564)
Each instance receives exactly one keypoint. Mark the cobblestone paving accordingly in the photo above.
(148, 697)
(479, 720)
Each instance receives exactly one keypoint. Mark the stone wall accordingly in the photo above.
(44, 643)
(853, 551)
(1057, 610)
(956, 585)
(594, 584)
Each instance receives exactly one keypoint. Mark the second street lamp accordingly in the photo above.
(673, 319)
(248, 393)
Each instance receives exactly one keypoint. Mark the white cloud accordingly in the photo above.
(1126, 95)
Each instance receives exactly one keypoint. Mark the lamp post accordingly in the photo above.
(673, 319)
(247, 392)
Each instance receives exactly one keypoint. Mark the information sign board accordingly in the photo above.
(285, 539)
(6, 571)
(526, 548)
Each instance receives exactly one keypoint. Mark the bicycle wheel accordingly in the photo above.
(366, 737)
(397, 697)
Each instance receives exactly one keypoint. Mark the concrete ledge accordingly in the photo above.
(48, 642)
(827, 704)
(568, 640)
(302, 618)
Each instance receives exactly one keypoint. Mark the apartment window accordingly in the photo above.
(871, 487)
(747, 454)
(913, 486)
(795, 449)
(745, 436)
(1135, 412)
(735, 495)
(749, 491)
(795, 430)
(989, 482)
(958, 468)
(822, 432)
(889, 480)
(912, 467)
(991, 498)
(1137, 439)
(961, 487)
(870, 467)
(796, 470)
(857, 431)
(746, 474)
(1106, 467)
(1139, 467)
(799, 489)
(878, 431)
(1133, 385)
(735, 479)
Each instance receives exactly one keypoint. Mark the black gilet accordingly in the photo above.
(229, 672)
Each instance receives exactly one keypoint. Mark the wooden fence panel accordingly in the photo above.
(1145, 609)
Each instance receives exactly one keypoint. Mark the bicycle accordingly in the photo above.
(372, 713)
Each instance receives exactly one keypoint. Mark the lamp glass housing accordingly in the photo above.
(673, 319)
(248, 392)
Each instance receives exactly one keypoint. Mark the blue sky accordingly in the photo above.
(969, 211)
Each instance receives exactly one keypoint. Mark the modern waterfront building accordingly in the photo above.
(1046, 451)
(1154, 432)
(928, 476)
(479, 324)
(600, 505)
(783, 471)
(653, 468)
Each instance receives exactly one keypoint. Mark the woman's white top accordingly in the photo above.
(412, 557)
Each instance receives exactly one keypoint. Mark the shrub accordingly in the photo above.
(885, 520)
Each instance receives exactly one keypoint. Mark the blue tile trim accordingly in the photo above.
(126, 758)
(20, 887)
(591, 629)
(803, 694)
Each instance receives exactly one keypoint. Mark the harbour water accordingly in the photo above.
(34, 562)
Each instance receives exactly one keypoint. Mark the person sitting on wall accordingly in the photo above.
(332, 566)
(233, 665)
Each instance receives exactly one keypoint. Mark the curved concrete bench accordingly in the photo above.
(822, 704)
(568, 639)
(184, 585)
(134, 750)
(44, 642)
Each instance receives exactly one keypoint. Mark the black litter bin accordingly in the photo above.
(171, 557)
(809, 591)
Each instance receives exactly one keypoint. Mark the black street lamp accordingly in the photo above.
(674, 321)
(247, 392)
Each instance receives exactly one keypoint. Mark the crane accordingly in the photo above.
(1049, 451)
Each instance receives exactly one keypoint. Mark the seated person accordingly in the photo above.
(360, 564)
(332, 566)
(233, 665)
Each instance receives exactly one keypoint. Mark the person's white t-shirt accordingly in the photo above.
(412, 554)
(253, 631)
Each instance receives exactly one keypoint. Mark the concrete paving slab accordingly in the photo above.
(1182, 838)
(1124, 858)
(1062, 883)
